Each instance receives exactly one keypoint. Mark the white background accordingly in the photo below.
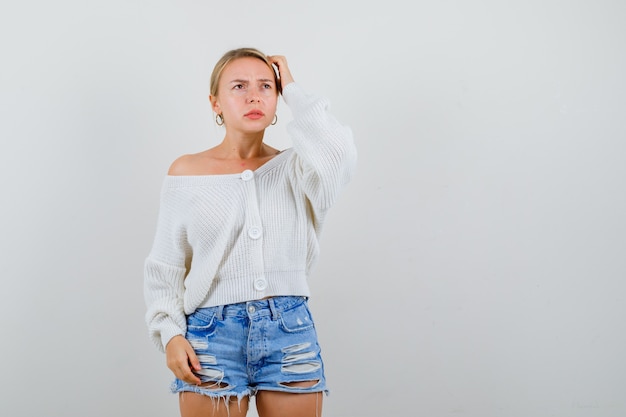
(474, 267)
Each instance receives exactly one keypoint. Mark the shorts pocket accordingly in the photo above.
(202, 322)
(297, 319)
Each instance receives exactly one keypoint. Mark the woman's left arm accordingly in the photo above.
(326, 154)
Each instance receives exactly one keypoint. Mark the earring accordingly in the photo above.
(275, 120)
(219, 119)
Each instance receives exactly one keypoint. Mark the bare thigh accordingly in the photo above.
(198, 405)
(286, 404)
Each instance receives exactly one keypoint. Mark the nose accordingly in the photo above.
(254, 96)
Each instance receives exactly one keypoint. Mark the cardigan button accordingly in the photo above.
(260, 284)
(254, 232)
(247, 175)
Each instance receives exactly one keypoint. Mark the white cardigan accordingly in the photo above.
(224, 239)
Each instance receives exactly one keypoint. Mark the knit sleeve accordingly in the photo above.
(326, 155)
(164, 274)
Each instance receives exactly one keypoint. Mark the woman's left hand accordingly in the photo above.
(283, 69)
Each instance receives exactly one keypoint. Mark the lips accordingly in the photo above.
(254, 114)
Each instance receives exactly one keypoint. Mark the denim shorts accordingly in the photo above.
(257, 345)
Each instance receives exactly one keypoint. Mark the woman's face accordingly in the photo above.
(247, 95)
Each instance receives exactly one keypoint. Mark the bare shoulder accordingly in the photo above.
(180, 166)
(189, 164)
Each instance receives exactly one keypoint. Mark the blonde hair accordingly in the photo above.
(232, 55)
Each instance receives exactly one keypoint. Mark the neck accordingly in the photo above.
(243, 147)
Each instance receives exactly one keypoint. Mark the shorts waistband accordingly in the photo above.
(272, 306)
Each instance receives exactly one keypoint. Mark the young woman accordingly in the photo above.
(237, 236)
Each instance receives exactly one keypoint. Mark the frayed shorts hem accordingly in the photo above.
(309, 390)
(178, 388)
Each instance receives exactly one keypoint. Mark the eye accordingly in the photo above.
(238, 86)
(267, 86)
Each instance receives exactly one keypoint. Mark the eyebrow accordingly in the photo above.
(261, 80)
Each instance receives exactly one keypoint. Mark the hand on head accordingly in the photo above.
(280, 62)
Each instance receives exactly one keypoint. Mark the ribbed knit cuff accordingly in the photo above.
(168, 330)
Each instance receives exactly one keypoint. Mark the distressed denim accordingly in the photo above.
(256, 345)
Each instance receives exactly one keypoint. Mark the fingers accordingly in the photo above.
(190, 361)
(180, 355)
(277, 60)
(184, 373)
(280, 62)
(193, 359)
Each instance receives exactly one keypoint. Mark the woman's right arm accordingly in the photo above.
(164, 274)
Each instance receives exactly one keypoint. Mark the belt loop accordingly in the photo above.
(270, 301)
(219, 313)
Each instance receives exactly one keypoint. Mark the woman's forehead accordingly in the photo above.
(248, 67)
